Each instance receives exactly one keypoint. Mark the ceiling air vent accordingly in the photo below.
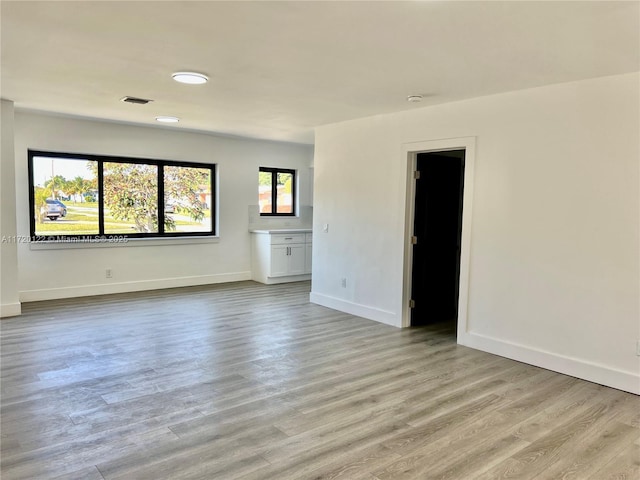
(137, 101)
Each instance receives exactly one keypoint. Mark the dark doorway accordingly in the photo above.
(437, 233)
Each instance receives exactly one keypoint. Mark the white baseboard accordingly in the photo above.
(627, 381)
(291, 278)
(10, 309)
(356, 309)
(593, 372)
(124, 287)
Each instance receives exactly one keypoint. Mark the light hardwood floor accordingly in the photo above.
(248, 381)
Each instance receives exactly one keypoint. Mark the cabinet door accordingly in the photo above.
(296, 259)
(279, 260)
(307, 258)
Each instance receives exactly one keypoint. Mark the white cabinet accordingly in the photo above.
(288, 260)
(280, 256)
(308, 253)
(279, 264)
(296, 260)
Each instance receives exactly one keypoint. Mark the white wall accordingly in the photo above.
(554, 261)
(9, 299)
(59, 273)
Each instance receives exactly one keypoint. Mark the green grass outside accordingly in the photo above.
(79, 221)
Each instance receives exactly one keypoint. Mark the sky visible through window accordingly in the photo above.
(45, 168)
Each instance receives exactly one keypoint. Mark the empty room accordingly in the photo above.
(368, 240)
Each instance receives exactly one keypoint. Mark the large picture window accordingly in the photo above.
(277, 191)
(76, 196)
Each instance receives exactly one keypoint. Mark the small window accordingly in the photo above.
(77, 196)
(277, 191)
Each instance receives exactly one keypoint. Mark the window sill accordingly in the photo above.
(279, 215)
(119, 243)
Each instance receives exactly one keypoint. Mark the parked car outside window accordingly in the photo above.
(53, 210)
(64, 207)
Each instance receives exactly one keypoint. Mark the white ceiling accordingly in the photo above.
(279, 69)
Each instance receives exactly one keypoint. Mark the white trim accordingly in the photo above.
(410, 152)
(378, 315)
(125, 287)
(287, 279)
(575, 367)
(119, 241)
(10, 309)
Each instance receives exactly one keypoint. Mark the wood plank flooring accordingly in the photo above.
(252, 382)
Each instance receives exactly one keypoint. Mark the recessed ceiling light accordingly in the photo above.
(414, 98)
(167, 119)
(192, 78)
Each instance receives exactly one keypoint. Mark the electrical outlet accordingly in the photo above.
(325, 228)
(108, 273)
(343, 282)
(638, 348)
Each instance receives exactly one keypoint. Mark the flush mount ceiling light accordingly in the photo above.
(192, 78)
(414, 98)
(167, 119)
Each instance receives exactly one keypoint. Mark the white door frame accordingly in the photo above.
(410, 152)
